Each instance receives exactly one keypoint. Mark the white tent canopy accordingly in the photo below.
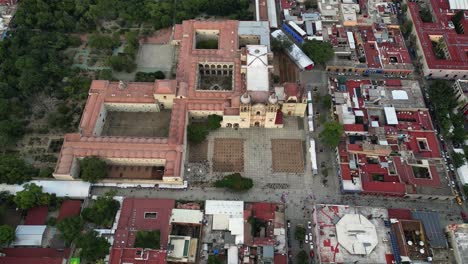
(73, 189)
(29, 235)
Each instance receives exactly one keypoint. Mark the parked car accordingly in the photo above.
(289, 224)
(306, 239)
(311, 239)
(309, 225)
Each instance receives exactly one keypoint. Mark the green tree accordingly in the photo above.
(212, 259)
(14, 170)
(104, 42)
(71, 228)
(10, 132)
(407, 27)
(102, 211)
(319, 51)
(93, 169)
(281, 43)
(31, 196)
(465, 189)
(121, 62)
(425, 15)
(149, 76)
(46, 172)
(214, 122)
(7, 235)
(458, 159)
(331, 134)
(196, 133)
(235, 182)
(105, 74)
(148, 239)
(299, 233)
(302, 257)
(327, 101)
(311, 4)
(92, 246)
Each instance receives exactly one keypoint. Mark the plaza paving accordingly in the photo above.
(258, 155)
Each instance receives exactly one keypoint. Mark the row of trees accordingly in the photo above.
(101, 213)
(443, 99)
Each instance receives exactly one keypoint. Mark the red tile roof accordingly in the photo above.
(34, 256)
(69, 208)
(399, 213)
(354, 127)
(264, 211)
(280, 259)
(279, 118)
(389, 188)
(132, 219)
(129, 255)
(37, 215)
(456, 43)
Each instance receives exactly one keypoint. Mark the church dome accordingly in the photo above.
(273, 99)
(245, 98)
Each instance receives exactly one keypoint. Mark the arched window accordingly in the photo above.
(258, 112)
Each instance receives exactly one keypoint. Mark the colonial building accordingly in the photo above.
(222, 69)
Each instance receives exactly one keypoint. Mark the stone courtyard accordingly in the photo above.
(261, 146)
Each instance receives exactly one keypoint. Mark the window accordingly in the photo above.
(258, 112)
(150, 215)
(164, 97)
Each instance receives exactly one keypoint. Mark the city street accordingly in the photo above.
(304, 190)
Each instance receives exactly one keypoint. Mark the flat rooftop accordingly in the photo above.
(457, 44)
(330, 250)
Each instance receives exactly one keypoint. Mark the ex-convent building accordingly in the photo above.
(224, 68)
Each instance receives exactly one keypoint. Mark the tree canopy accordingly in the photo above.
(302, 257)
(299, 233)
(443, 99)
(14, 170)
(214, 122)
(102, 211)
(149, 76)
(331, 134)
(70, 228)
(92, 246)
(92, 169)
(31, 196)
(281, 43)
(7, 235)
(212, 259)
(458, 159)
(196, 133)
(319, 51)
(235, 182)
(148, 239)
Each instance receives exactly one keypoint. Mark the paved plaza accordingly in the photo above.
(228, 155)
(287, 155)
(260, 147)
(155, 57)
(198, 152)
